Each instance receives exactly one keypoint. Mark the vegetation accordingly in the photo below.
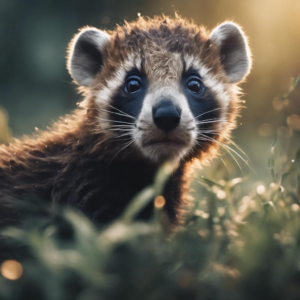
(236, 244)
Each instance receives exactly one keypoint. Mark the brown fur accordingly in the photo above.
(44, 164)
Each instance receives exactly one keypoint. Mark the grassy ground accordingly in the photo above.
(238, 243)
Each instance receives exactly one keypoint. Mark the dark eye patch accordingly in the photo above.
(129, 98)
(203, 104)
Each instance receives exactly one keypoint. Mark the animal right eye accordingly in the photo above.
(195, 85)
(133, 85)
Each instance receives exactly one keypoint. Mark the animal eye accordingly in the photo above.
(133, 85)
(195, 85)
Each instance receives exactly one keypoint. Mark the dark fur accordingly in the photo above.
(69, 171)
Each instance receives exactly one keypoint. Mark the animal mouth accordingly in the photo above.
(167, 142)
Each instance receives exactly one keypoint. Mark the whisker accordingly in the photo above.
(211, 129)
(209, 132)
(208, 112)
(100, 142)
(115, 113)
(121, 126)
(115, 121)
(127, 125)
(122, 112)
(123, 148)
(119, 130)
(226, 146)
(225, 165)
(208, 139)
(120, 138)
(213, 121)
(237, 146)
(114, 138)
(124, 134)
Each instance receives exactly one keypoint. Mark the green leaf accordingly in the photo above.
(297, 167)
(232, 183)
(271, 161)
(209, 182)
(284, 177)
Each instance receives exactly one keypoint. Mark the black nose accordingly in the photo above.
(166, 115)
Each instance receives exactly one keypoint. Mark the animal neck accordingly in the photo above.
(103, 186)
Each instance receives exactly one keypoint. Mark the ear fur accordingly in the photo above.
(85, 55)
(234, 50)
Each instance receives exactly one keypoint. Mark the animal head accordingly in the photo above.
(164, 86)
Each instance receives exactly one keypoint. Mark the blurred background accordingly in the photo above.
(36, 89)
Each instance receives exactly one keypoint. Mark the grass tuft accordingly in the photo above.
(236, 244)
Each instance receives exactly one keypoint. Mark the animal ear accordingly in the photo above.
(234, 50)
(85, 55)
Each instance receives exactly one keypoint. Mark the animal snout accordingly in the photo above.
(166, 115)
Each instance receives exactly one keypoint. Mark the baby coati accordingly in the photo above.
(154, 90)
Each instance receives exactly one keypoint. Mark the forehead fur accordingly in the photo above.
(154, 40)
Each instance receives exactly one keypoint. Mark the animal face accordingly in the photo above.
(165, 86)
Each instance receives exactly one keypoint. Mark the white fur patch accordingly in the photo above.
(213, 83)
(105, 94)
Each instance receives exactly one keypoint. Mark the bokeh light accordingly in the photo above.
(260, 189)
(295, 207)
(221, 194)
(265, 130)
(11, 269)
(294, 121)
(159, 202)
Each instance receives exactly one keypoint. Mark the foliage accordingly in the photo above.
(238, 248)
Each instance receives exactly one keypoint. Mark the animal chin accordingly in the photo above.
(166, 142)
(163, 149)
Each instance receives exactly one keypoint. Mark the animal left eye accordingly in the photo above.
(133, 85)
(195, 86)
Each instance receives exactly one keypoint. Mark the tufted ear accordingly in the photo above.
(234, 50)
(85, 55)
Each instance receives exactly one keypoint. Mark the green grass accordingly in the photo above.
(240, 247)
(236, 244)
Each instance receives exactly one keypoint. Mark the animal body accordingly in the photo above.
(154, 90)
